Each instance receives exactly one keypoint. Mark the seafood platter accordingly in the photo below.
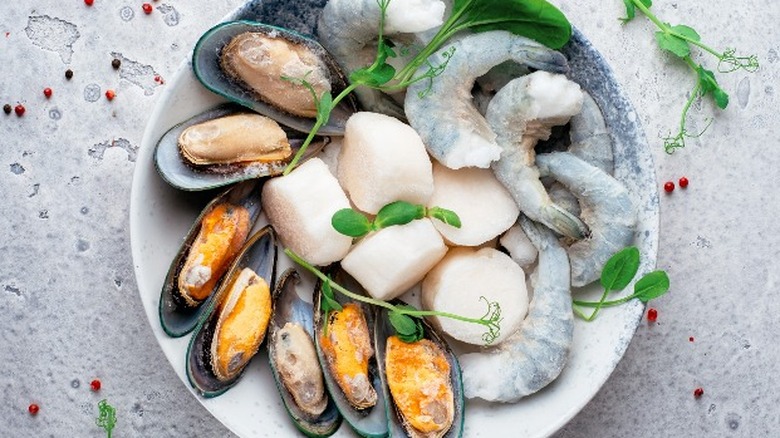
(521, 169)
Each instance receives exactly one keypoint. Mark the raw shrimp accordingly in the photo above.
(348, 29)
(591, 142)
(607, 207)
(534, 355)
(451, 127)
(522, 113)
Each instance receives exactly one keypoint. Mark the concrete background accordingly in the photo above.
(69, 308)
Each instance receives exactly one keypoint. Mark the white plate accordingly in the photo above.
(160, 216)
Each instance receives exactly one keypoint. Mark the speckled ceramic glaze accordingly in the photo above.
(160, 216)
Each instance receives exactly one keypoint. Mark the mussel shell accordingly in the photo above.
(205, 64)
(383, 329)
(289, 307)
(259, 254)
(176, 318)
(371, 422)
(177, 172)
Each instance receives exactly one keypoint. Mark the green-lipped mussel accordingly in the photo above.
(209, 248)
(229, 335)
(423, 381)
(293, 359)
(260, 67)
(225, 145)
(345, 347)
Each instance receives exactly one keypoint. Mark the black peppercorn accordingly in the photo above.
(116, 63)
(7, 109)
(68, 74)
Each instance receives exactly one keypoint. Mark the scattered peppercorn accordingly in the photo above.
(33, 409)
(652, 315)
(7, 109)
(116, 63)
(669, 187)
(147, 8)
(89, 2)
(698, 392)
(110, 95)
(19, 110)
(683, 182)
(95, 385)
(47, 92)
(68, 74)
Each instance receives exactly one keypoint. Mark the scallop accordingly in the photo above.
(294, 363)
(262, 68)
(209, 248)
(231, 333)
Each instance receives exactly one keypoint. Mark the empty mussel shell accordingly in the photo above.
(348, 359)
(260, 66)
(193, 168)
(294, 363)
(418, 373)
(209, 248)
(231, 332)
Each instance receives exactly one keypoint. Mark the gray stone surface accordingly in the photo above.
(69, 308)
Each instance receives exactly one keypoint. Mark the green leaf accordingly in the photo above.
(398, 213)
(328, 301)
(535, 19)
(651, 285)
(407, 328)
(324, 106)
(107, 417)
(630, 11)
(672, 44)
(374, 76)
(350, 223)
(686, 31)
(709, 85)
(449, 217)
(620, 269)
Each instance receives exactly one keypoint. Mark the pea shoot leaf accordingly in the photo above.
(328, 300)
(106, 417)
(350, 223)
(709, 85)
(631, 9)
(651, 285)
(535, 19)
(673, 44)
(324, 106)
(449, 217)
(620, 269)
(407, 329)
(687, 32)
(398, 213)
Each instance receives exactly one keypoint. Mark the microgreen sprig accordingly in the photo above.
(535, 19)
(355, 224)
(618, 272)
(491, 320)
(679, 40)
(106, 417)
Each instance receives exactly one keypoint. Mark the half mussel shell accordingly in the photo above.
(398, 425)
(297, 372)
(259, 256)
(182, 174)
(368, 421)
(178, 316)
(215, 74)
